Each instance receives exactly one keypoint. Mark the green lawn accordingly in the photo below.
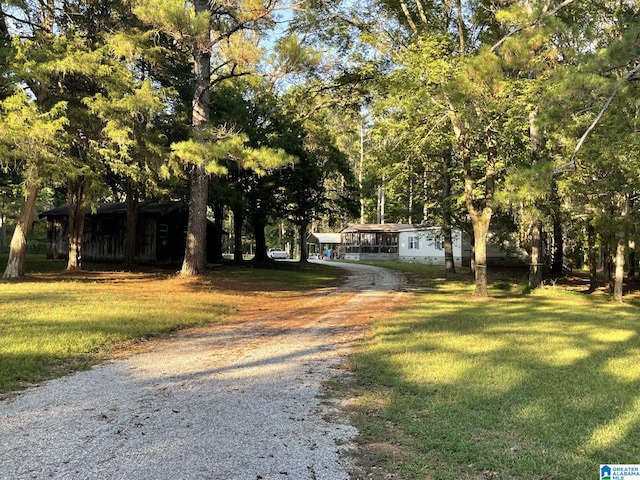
(539, 386)
(542, 386)
(52, 323)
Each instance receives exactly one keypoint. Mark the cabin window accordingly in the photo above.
(163, 233)
(414, 243)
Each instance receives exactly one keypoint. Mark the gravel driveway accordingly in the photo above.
(222, 403)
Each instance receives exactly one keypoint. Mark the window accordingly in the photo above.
(414, 243)
(436, 240)
(387, 239)
(163, 233)
(368, 239)
(350, 238)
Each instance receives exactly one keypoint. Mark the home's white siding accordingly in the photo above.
(426, 245)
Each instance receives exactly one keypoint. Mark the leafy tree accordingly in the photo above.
(59, 59)
(520, 86)
(132, 143)
(473, 64)
(222, 40)
(36, 141)
(319, 183)
(590, 120)
(410, 108)
(251, 107)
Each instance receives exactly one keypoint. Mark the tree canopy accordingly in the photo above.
(459, 114)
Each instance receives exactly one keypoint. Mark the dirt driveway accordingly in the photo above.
(240, 401)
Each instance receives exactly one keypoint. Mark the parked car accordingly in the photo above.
(277, 254)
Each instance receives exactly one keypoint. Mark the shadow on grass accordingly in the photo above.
(535, 387)
(161, 415)
(52, 329)
(22, 370)
(250, 275)
(62, 317)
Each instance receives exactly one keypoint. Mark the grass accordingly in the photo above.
(55, 323)
(520, 386)
(540, 386)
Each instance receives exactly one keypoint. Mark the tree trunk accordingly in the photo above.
(480, 232)
(131, 229)
(480, 221)
(195, 255)
(631, 273)
(557, 254)
(380, 207)
(238, 219)
(410, 199)
(218, 218)
(537, 253)
(259, 224)
(5, 37)
(18, 247)
(593, 261)
(607, 267)
(461, 26)
(76, 199)
(557, 264)
(618, 288)
(480, 216)
(425, 204)
(472, 253)
(3, 232)
(449, 264)
(304, 251)
(361, 174)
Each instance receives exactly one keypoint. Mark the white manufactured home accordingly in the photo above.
(367, 241)
(420, 244)
(426, 245)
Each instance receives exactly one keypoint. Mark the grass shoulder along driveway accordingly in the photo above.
(52, 323)
(538, 386)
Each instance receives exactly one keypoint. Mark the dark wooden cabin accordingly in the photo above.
(160, 236)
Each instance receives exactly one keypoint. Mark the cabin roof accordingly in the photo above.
(154, 208)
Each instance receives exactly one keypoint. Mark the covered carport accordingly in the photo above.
(319, 243)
